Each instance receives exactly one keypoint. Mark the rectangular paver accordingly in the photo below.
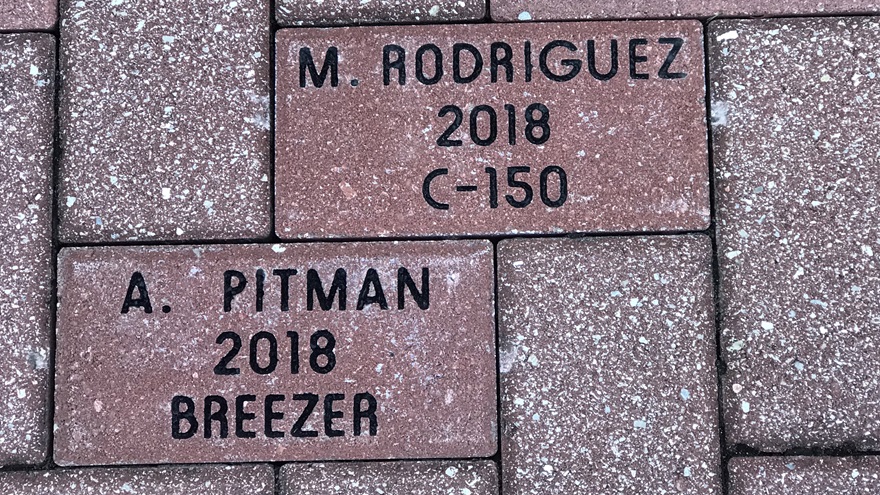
(298, 352)
(490, 129)
(23, 15)
(217, 480)
(164, 120)
(27, 86)
(527, 10)
(796, 145)
(607, 366)
(391, 478)
(804, 475)
(330, 12)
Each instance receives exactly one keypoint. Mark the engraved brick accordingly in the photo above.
(225, 480)
(330, 12)
(359, 158)
(27, 82)
(391, 478)
(418, 382)
(804, 475)
(607, 364)
(796, 140)
(165, 120)
(527, 10)
(28, 14)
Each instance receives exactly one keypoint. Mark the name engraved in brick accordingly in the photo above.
(491, 129)
(269, 353)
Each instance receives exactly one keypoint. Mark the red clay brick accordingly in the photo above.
(804, 475)
(545, 10)
(426, 373)
(796, 145)
(354, 158)
(28, 14)
(220, 480)
(391, 478)
(607, 366)
(330, 12)
(27, 82)
(165, 120)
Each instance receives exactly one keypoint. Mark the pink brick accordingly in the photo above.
(164, 113)
(796, 147)
(391, 478)
(225, 480)
(410, 374)
(362, 158)
(607, 364)
(27, 83)
(330, 12)
(543, 10)
(28, 14)
(804, 475)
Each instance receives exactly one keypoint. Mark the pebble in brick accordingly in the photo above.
(329, 12)
(27, 82)
(219, 480)
(796, 145)
(165, 120)
(804, 475)
(390, 478)
(491, 129)
(607, 366)
(28, 14)
(285, 352)
(527, 10)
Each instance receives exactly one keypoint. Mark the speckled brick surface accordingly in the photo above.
(527, 10)
(392, 353)
(804, 475)
(27, 82)
(368, 158)
(607, 366)
(796, 146)
(28, 14)
(214, 480)
(164, 120)
(330, 12)
(391, 478)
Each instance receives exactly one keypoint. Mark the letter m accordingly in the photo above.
(307, 63)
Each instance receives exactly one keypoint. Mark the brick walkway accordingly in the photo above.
(439, 247)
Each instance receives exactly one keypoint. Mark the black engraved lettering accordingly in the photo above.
(314, 287)
(591, 61)
(331, 66)
(674, 49)
(297, 430)
(573, 64)
(374, 285)
(405, 281)
(143, 300)
(398, 64)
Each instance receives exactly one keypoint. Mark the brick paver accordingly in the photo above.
(27, 84)
(607, 366)
(186, 334)
(527, 10)
(330, 12)
(390, 146)
(164, 120)
(214, 480)
(390, 478)
(796, 146)
(804, 475)
(28, 14)
(296, 352)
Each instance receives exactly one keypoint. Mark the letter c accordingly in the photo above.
(426, 189)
